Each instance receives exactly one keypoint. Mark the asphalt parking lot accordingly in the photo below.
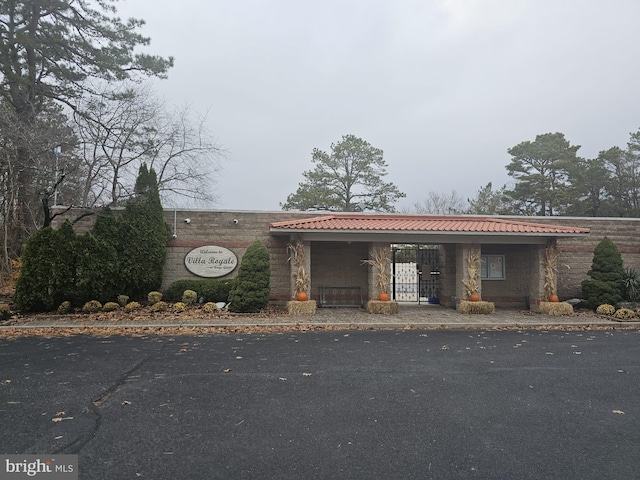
(530, 404)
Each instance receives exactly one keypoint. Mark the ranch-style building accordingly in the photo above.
(428, 253)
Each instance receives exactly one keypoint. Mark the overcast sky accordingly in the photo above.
(443, 87)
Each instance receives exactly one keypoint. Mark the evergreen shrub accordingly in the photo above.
(210, 290)
(605, 309)
(607, 276)
(624, 314)
(132, 307)
(92, 306)
(110, 307)
(189, 297)
(159, 306)
(154, 297)
(253, 283)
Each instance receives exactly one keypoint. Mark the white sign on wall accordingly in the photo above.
(210, 261)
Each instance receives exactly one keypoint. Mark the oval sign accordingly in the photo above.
(210, 261)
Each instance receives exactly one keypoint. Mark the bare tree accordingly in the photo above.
(438, 203)
(122, 129)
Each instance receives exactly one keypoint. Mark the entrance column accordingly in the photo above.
(536, 283)
(463, 251)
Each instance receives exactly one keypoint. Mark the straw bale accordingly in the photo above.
(485, 308)
(555, 308)
(295, 307)
(384, 308)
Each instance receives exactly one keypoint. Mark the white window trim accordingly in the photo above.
(491, 274)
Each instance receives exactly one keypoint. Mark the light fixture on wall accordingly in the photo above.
(236, 221)
(187, 220)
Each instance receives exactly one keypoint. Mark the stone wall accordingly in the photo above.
(576, 254)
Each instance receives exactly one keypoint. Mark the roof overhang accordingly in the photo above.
(429, 229)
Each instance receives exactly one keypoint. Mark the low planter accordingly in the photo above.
(481, 307)
(382, 307)
(296, 307)
(555, 308)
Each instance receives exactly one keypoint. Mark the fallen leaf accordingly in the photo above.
(618, 412)
(126, 402)
(59, 419)
(226, 370)
(306, 374)
(282, 378)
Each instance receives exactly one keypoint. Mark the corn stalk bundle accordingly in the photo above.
(379, 260)
(298, 260)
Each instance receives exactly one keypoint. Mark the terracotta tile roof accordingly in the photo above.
(423, 223)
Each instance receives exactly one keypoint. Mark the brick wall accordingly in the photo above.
(339, 263)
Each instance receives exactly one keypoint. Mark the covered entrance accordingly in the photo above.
(415, 273)
(434, 256)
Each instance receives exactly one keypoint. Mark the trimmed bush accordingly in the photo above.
(607, 276)
(210, 307)
(92, 306)
(154, 297)
(210, 290)
(64, 308)
(624, 314)
(605, 309)
(5, 311)
(110, 307)
(159, 306)
(132, 307)
(189, 297)
(123, 300)
(179, 307)
(253, 283)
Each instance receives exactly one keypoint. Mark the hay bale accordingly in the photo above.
(485, 308)
(296, 307)
(383, 308)
(555, 308)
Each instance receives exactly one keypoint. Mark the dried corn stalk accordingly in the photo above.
(380, 260)
(298, 260)
(550, 270)
(472, 284)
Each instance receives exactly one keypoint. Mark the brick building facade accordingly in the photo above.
(336, 259)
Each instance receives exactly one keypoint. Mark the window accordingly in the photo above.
(492, 267)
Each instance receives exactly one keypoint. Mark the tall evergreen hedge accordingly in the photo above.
(124, 255)
(142, 238)
(607, 276)
(48, 269)
(253, 283)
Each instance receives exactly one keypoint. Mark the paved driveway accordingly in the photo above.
(361, 404)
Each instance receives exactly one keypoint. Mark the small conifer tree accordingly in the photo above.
(607, 276)
(143, 236)
(253, 283)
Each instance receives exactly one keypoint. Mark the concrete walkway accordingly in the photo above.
(410, 315)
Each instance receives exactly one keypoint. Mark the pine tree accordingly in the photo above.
(607, 276)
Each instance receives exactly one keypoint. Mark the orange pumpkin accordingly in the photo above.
(302, 296)
(554, 298)
(383, 297)
(474, 297)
